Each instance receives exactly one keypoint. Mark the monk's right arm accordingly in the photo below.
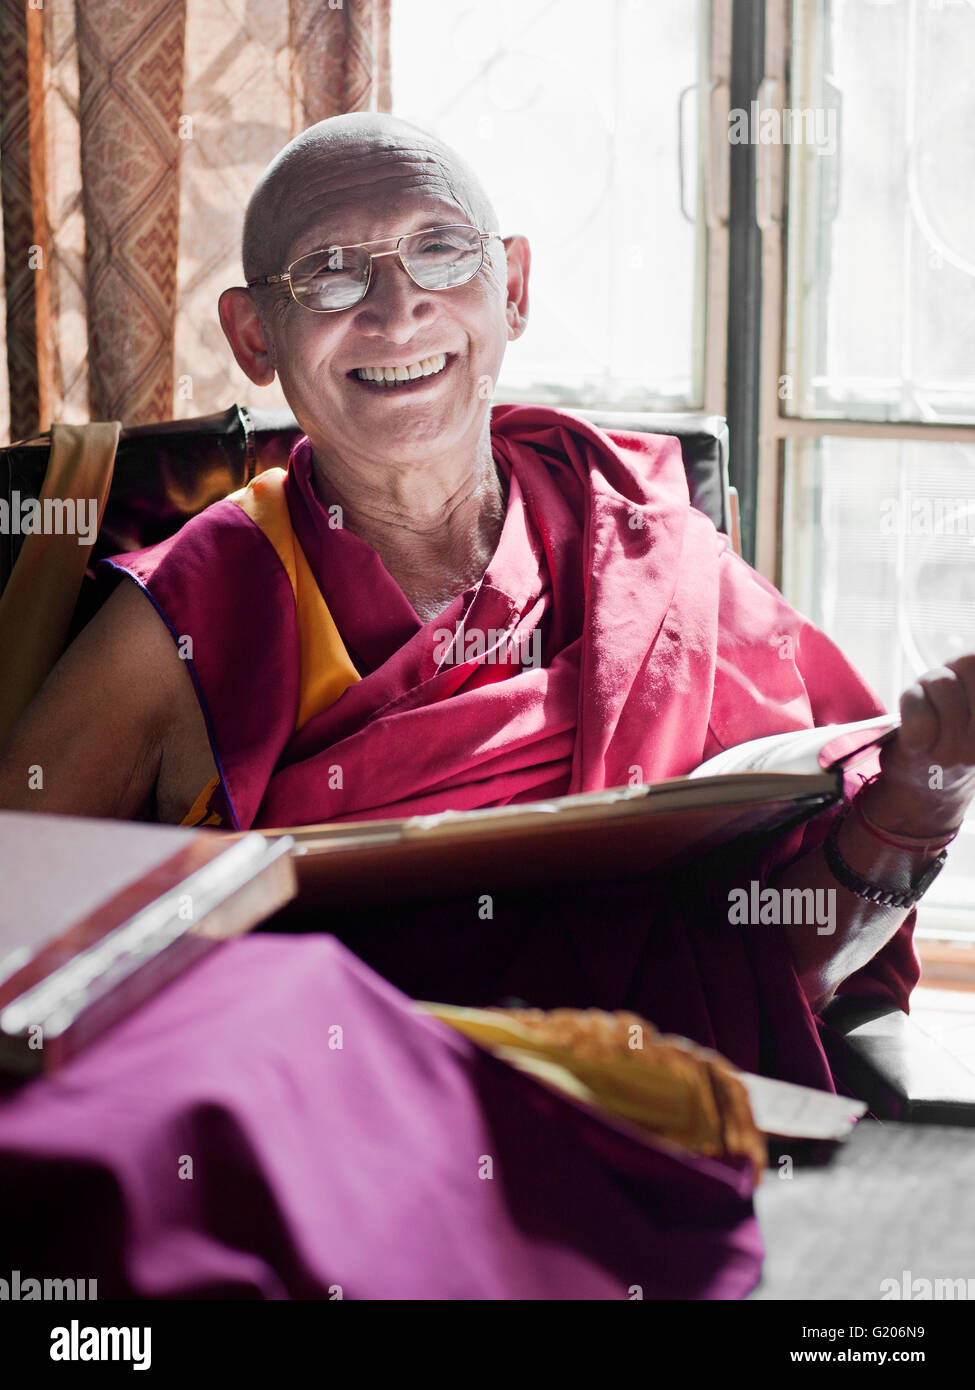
(91, 743)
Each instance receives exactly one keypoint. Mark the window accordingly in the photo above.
(879, 551)
(882, 252)
(616, 132)
(574, 118)
(877, 393)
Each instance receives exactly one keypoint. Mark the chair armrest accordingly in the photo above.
(901, 1072)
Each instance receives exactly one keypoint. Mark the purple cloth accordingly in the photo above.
(315, 1167)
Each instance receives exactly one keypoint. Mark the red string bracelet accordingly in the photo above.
(903, 842)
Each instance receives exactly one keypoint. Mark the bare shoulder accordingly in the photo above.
(116, 730)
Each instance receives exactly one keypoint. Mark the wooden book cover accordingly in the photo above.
(96, 914)
(762, 786)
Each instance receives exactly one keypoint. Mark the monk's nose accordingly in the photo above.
(394, 303)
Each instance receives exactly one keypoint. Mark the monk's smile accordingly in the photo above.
(406, 376)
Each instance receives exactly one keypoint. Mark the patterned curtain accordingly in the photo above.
(130, 138)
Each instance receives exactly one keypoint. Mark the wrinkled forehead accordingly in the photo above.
(366, 193)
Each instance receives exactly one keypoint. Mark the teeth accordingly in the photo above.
(427, 366)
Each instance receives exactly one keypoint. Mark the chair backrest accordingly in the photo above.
(167, 473)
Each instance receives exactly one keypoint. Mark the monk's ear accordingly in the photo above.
(519, 263)
(244, 332)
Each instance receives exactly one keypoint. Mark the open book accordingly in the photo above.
(769, 784)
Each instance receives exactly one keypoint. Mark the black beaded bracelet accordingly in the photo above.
(873, 892)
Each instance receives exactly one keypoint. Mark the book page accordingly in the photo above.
(797, 1112)
(799, 749)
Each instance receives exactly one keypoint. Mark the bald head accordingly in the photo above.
(370, 178)
(321, 179)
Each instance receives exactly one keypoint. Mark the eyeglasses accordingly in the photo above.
(336, 277)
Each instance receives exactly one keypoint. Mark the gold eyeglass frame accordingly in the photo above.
(285, 279)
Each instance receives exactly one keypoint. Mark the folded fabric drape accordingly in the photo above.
(282, 1123)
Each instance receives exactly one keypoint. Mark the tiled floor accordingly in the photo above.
(948, 1016)
(892, 1198)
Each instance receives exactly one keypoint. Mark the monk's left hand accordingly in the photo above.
(927, 775)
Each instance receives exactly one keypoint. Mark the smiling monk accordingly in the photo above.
(282, 659)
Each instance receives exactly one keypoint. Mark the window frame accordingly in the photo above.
(761, 331)
(762, 506)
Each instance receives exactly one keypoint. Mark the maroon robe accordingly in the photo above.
(656, 647)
